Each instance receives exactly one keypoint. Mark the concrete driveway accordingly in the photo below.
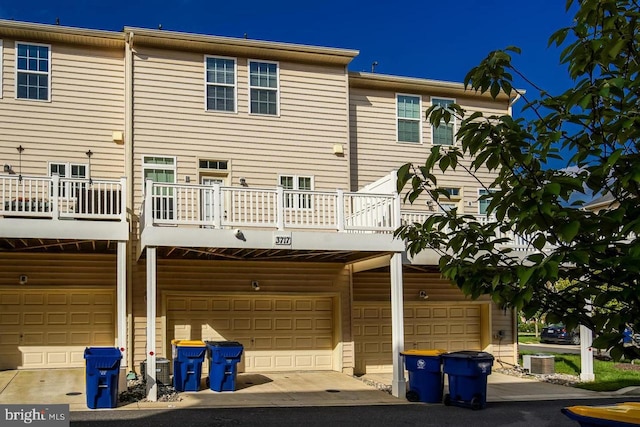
(289, 389)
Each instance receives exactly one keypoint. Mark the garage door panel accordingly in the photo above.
(46, 328)
(450, 327)
(278, 333)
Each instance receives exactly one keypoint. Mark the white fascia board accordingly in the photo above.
(17, 228)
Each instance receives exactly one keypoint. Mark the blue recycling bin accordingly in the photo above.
(223, 364)
(425, 375)
(467, 372)
(188, 356)
(102, 366)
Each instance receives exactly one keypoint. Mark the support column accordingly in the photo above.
(152, 386)
(121, 309)
(586, 354)
(399, 384)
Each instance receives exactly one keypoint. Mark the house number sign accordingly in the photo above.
(283, 240)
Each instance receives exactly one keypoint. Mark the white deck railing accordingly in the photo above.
(515, 242)
(55, 198)
(218, 206)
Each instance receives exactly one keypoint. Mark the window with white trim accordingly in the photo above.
(449, 203)
(1, 80)
(33, 71)
(162, 170)
(263, 87)
(295, 200)
(220, 80)
(443, 133)
(483, 204)
(408, 118)
(67, 188)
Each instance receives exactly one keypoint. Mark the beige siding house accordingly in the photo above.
(162, 185)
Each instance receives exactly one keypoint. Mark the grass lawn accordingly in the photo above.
(528, 339)
(610, 375)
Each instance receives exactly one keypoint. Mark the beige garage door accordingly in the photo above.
(51, 328)
(278, 333)
(448, 327)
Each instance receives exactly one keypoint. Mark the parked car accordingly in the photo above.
(558, 334)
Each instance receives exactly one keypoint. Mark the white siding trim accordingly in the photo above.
(17, 43)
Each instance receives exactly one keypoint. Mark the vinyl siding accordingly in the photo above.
(276, 278)
(87, 105)
(376, 152)
(170, 120)
(505, 349)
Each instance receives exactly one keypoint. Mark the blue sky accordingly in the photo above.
(424, 38)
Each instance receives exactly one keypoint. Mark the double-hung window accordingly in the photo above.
(263, 87)
(449, 203)
(1, 80)
(408, 116)
(220, 75)
(444, 132)
(33, 71)
(483, 203)
(296, 198)
(161, 170)
(69, 188)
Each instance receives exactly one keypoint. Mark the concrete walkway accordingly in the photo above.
(288, 389)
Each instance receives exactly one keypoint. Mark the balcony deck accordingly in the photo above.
(62, 208)
(217, 216)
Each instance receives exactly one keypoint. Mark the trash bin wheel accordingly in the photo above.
(476, 403)
(412, 396)
(447, 400)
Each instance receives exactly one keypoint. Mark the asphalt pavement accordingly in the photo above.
(511, 414)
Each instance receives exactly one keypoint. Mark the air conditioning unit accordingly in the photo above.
(539, 363)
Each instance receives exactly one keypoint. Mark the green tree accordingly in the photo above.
(597, 121)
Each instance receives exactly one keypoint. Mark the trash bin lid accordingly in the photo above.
(188, 343)
(224, 343)
(627, 412)
(420, 352)
(468, 354)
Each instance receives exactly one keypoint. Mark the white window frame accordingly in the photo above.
(480, 190)
(453, 123)
(277, 89)
(235, 84)
(173, 167)
(1, 67)
(297, 203)
(17, 70)
(419, 119)
(65, 189)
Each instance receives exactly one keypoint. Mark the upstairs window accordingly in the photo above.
(33, 71)
(444, 132)
(161, 170)
(449, 203)
(263, 87)
(408, 116)
(69, 170)
(221, 84)
(1, 55)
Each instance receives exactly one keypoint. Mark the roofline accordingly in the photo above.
(61, 34)
(248, 47)
(408, 84)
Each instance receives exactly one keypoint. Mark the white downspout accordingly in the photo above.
(128, 161)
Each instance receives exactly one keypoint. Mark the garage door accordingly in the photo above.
(51, 328)
(278, 333)
(448, 327)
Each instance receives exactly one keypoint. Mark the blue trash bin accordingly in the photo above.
(102, 365)
(188, 356)
(425, 375)
(467, 372)
(223, 364)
